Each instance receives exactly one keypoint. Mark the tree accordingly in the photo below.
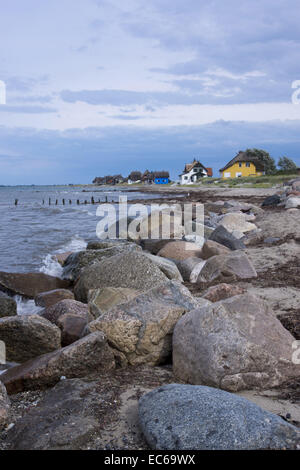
(263, 157)
(286, 164)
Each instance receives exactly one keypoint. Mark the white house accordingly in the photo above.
(193, 172)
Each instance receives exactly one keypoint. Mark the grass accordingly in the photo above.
(265, 181)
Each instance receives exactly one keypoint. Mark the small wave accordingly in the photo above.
(75, 244)
(26, 306)
(51, 266)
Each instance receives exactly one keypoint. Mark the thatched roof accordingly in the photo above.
(161, 174)
(244, 157)
(189, 166)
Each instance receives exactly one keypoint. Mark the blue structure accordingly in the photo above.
(161, 178)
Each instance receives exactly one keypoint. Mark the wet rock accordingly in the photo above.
(63, 307)
(131, 270)
(222, 236)
(235, 344)
(184, 417)
(61, 257)
(30, 284)
(222, 291)
(47, 299)
(28, 336)
(142, 328)
(4, 406)
(89, 354)
(211, 248)
(8, 306)
(180, 250)
(234, 265)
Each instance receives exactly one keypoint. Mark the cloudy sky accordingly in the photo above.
(104, 86)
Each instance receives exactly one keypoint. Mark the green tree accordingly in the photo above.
(286, 164)
(265, 158)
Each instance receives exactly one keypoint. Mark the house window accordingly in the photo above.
(185, 177)
(248, 164)
(240, 164)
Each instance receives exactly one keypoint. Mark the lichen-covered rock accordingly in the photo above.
(235, 265)
(142, 328)
(167, 266)
(101, 300)
(222, 291)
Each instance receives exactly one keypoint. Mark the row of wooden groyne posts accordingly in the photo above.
(66, 201)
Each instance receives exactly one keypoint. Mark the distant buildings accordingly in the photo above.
(148, 177)
(242, 165)
(193, 172)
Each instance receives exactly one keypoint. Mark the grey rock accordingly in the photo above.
(222, 236)
(8, 306)
(47, 299)
(130, 269)
(271, 200)
(28, 336)
(235, 344)
(78, 261)
(235, 265)
(186, 417)
(167, 266)
(187, 266)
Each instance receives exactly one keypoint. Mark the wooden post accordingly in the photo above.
(78, 202)
(92, 200)
(70, 201)
(43, 201)
(56, 202)
(106, 200)
(49, 201)
(85, 201)
(63, 201)
(16, 202)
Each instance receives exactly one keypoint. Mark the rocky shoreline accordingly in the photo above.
(216, 315)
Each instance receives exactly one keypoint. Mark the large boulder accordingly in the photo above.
(211, 248)
(28, 336)
(180, 250)
(131, 270)
(78, 261)
(234, 344)
(71, 317)
(142, 328)
(234, 265)
(154, 245)
(101, 300)
(167, 266)
(8, 306)
(87, 355)
(185, 417)
(237, 221)
(30, 284)
(64, 419)
(222, 236)
(4, 406)
(47, 299)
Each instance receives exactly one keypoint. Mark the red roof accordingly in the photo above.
(209, 171)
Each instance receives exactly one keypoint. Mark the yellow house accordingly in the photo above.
(242, 165)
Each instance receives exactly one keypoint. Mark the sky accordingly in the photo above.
(97, 87)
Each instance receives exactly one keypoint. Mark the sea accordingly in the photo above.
(32, 231)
